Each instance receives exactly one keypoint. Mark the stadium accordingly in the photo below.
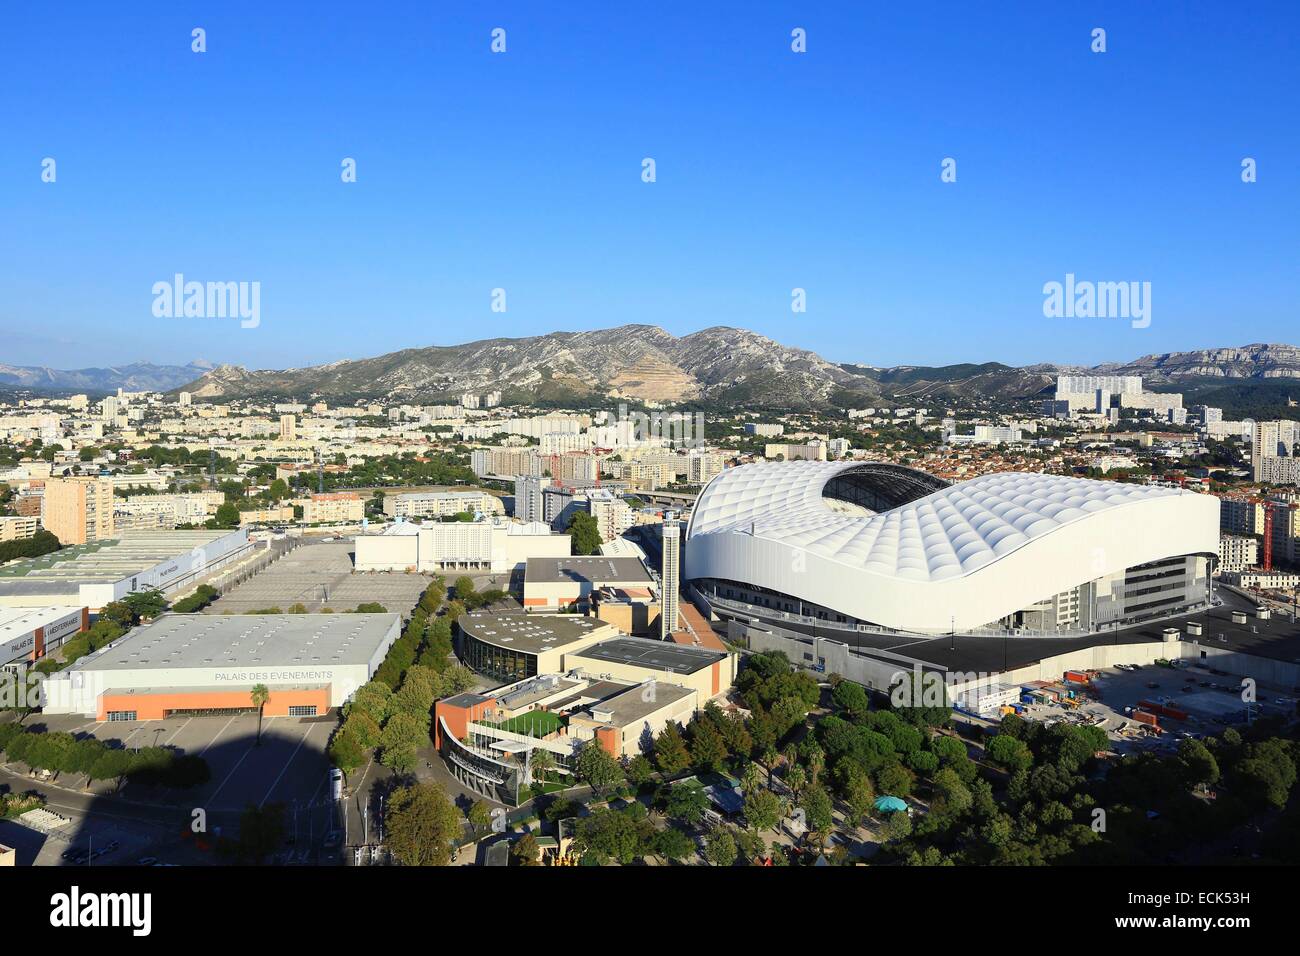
(861, 547)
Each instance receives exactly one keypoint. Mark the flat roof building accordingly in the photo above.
(191, 664)
(513, 646)
(95, 574)
(492, 545)
(636, 659)
(554, 583)
(28, 634)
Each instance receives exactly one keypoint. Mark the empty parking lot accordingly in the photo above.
(318, 575)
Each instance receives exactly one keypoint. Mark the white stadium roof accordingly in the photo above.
(967, 554)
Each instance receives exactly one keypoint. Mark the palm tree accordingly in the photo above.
(540, 762)
(769, 759)
(260, 696)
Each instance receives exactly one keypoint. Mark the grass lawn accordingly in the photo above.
(536, 723)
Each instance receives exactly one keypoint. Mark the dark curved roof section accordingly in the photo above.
(878, 487)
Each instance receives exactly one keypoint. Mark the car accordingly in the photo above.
(1152, 685)
(1205, 683)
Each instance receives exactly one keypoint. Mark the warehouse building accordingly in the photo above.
(28, 634)
(95, 574)
(197, 664)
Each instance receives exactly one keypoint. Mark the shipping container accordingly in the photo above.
(1145, 717)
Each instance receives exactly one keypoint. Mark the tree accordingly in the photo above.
(400, 740)
(611, 834)
(850, 698)
(639, 770)
(597, 767)
(346, 751)
(1197, 763)
(895, 780)
(763, 810)
(708, 750)
(585, 533)
(525, 851)
(673, 845)
(541, 763)
(898, 826)
(671, 754)
(422, 825)
(227, 515)
(720, 848)
(687, 802)
(372, 697)
(480, 817)
(1009, 753)
(259, 696)
(860, 797)
(816, 804)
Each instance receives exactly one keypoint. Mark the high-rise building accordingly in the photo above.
(528, 499)
(78, 510)
(613, 515)
(1272, 440)
(670, 579)
(288, 428)
(185, 399)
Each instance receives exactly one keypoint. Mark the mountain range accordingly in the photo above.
(720, 365)
(137, 377)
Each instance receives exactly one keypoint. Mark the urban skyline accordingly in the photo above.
(775, 171)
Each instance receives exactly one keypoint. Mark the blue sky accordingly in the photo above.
(523, 171)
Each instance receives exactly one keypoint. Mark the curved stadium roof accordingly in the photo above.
(964, 554)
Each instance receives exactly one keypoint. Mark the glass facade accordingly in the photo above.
(500, 663)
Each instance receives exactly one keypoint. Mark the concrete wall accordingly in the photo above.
(831, 657)
(387, 552)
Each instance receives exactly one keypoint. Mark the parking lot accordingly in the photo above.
(319, 574)
(289, 766)
(1210, 708)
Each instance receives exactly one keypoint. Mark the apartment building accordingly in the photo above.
(17, 527)
(441, 504)
(1236, 553)
(344, 507)
(78, 510)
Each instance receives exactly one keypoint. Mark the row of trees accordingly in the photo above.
(43, 542)
(392, 712)
(203, 595)
(61, 752)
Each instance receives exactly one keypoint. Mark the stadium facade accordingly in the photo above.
(867, 546)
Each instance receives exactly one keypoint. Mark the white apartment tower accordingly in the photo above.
(669, 618)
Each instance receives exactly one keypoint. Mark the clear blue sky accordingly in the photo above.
(522, 171)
